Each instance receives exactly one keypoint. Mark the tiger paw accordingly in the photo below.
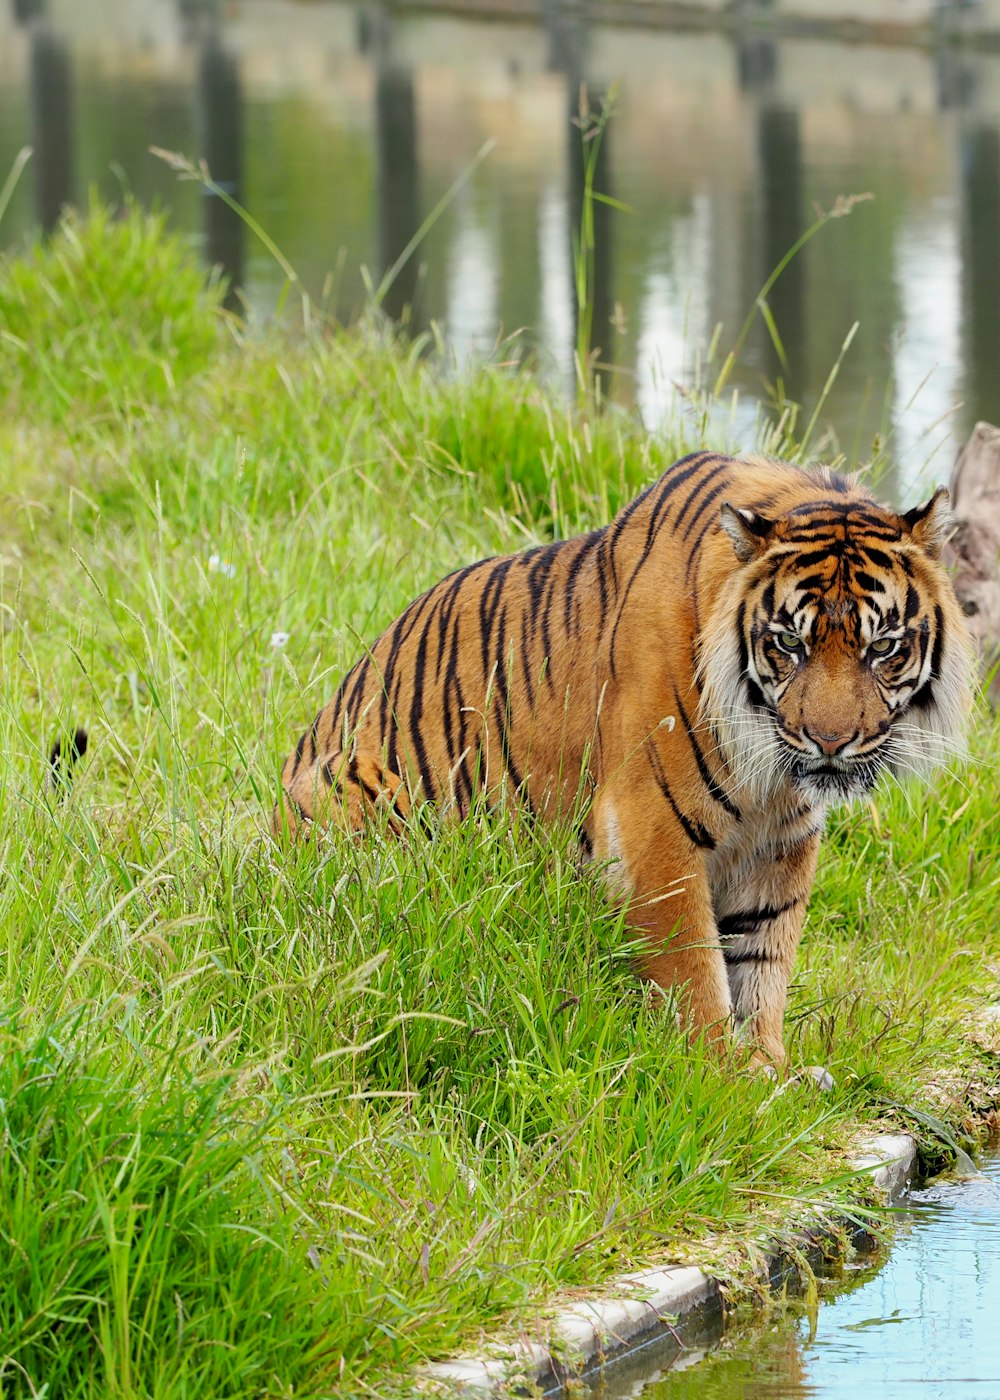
(819, 1074)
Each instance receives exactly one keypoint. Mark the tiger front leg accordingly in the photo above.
(760, 924)
(658, 874)
(759, 965)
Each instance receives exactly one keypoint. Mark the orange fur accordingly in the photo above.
(702, 666)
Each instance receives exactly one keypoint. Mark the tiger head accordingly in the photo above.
(845, 656)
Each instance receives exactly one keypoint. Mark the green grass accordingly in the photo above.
(283, 1123)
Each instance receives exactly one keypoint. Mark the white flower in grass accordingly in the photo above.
(218, 565)
(279, 640)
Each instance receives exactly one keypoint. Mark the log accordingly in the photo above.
(973, 552)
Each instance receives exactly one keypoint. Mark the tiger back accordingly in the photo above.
(745, 644)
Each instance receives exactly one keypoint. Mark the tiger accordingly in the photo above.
(746, 644)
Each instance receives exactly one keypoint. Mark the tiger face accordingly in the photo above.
(841, 669)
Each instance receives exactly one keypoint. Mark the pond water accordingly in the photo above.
(342, 126)
(922, 1319)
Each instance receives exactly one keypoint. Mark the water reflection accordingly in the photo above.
(220, 144)
(51, 123)
(919, 1321)
(980, 172)
(590, 146)
(341, 125)
(782, 222)
(396, 164)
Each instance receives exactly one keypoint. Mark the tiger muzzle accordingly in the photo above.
(830, 743)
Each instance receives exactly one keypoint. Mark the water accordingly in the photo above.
(340, 126)
(922, 1320)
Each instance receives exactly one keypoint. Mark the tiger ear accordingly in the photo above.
(932, 523)
(748, 531)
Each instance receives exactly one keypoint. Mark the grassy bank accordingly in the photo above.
(286, 1123)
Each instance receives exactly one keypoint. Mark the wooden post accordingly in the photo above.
(973, 553)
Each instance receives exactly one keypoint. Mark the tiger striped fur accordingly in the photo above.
(745, 644)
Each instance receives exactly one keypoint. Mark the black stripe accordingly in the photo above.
(370, 793)
(924, 697)
(335, 702)
(489, 601)
(606, 565)
(505, 753)
(546, 639)
(298, 752)
(417, 711)
(938, 643)
(891, 617)
(733, 956)
(541, 563)
(812, 583)
(818, 556)
(395, 638)
(671, 480)
(878, 556)
(666, 486)
(755, 696)
(310, 737)
(327, 774)
(718, 794)
(526, 663)
(696, 832)
(391, 746)
(449, 598)
(819, 515)
(451, 683)
(704, 504)
(693, 493)
(501, 706)
(501, 713)
(712, 523)
(750, 921)
(619, 523)
(361, 671)
(463, 780)
(590, 543)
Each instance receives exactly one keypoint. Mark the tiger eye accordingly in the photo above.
(882, 646)
(788, 641)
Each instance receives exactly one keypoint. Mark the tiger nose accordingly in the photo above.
(829, 743)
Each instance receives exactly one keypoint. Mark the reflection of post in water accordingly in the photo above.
(602, 334)
(756, 61)
(781, 193)
(398, 197)
(564, 31)
(981, 269)
(52, 125)
(220, 143)
(27, 10)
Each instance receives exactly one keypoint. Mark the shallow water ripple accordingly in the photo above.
(924, 1321)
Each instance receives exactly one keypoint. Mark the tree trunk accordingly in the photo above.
(973, 553)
